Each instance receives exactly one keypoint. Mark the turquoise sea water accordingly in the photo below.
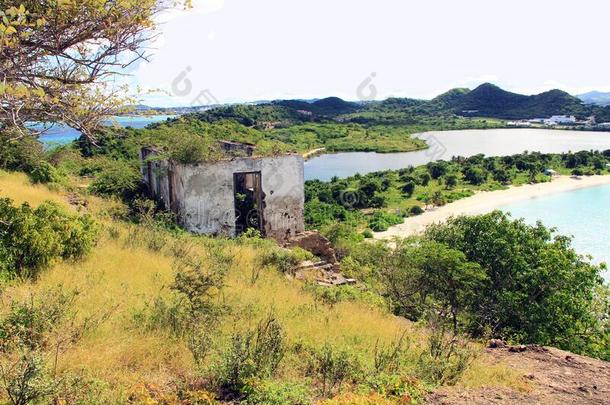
(62, 134)
(584, 214)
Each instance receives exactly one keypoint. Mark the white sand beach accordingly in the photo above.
(488, 201)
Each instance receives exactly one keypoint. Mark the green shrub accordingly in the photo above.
(284, 259)
(367, 233)
(335, 295)
(254, 354)
(334, 367)
(31, 239)
(45, 173)
(189, 148)
(458, 195)
(400, 388)
(445, 358)
(32, 331)
(22, 154)
(117, 178)
(416, 210)
(536, 289)
(277, 393)
(380, 221)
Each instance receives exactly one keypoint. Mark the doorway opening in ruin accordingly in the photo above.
(248, 195)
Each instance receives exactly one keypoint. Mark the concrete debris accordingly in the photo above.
(322, 273)
(314, 242)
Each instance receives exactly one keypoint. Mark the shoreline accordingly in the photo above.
(488, 201)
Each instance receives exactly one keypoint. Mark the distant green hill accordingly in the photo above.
(487, 100)
(596, 98)
(330, 106)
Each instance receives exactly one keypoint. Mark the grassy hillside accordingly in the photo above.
(119, 336)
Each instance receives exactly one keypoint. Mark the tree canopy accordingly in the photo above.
(58, 59)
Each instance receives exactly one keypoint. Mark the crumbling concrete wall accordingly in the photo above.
(202, 195)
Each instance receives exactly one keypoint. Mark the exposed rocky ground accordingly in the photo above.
(557, 377)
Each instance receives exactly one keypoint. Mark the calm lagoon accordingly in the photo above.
(446, 144)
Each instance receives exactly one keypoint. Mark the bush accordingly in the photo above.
(116, 178)
(284, 259)
(333, 368)
(451, 181)
(254, 354)
(408, 188)
(333, 296)
(475, 175)
(277, 393)
(31, 239)
(45, 173)
(32, 331)
(188, 148)
(445, 357)
(23, 154)
(380, 221)
(397, 388)
(367, 233)
(424, 179)
(416, 210)
(577, 172)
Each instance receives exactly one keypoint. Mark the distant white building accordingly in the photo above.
(561, 119)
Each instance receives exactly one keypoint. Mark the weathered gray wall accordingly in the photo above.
(203, 195)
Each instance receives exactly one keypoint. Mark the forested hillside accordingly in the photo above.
(487, 100)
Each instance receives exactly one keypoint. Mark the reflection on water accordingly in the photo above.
(444, 145)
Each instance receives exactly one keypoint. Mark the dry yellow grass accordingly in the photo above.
(117, 280)
(486, 373)
(17, 187)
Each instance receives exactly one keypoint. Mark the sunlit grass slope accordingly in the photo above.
(124, 275)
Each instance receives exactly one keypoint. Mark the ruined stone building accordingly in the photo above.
(228, 196)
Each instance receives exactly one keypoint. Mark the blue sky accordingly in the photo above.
(247, 50)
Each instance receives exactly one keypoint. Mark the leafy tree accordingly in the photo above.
(370, 186)
(537, 288)
(19, 155)
(56, 57)
(424, 179)
(430, 277)
(408, 188)
(475, 175)
(501, 175)
(451, 181)
(437, 169)
(438, 199)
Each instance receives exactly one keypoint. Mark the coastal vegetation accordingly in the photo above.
(379, 200)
